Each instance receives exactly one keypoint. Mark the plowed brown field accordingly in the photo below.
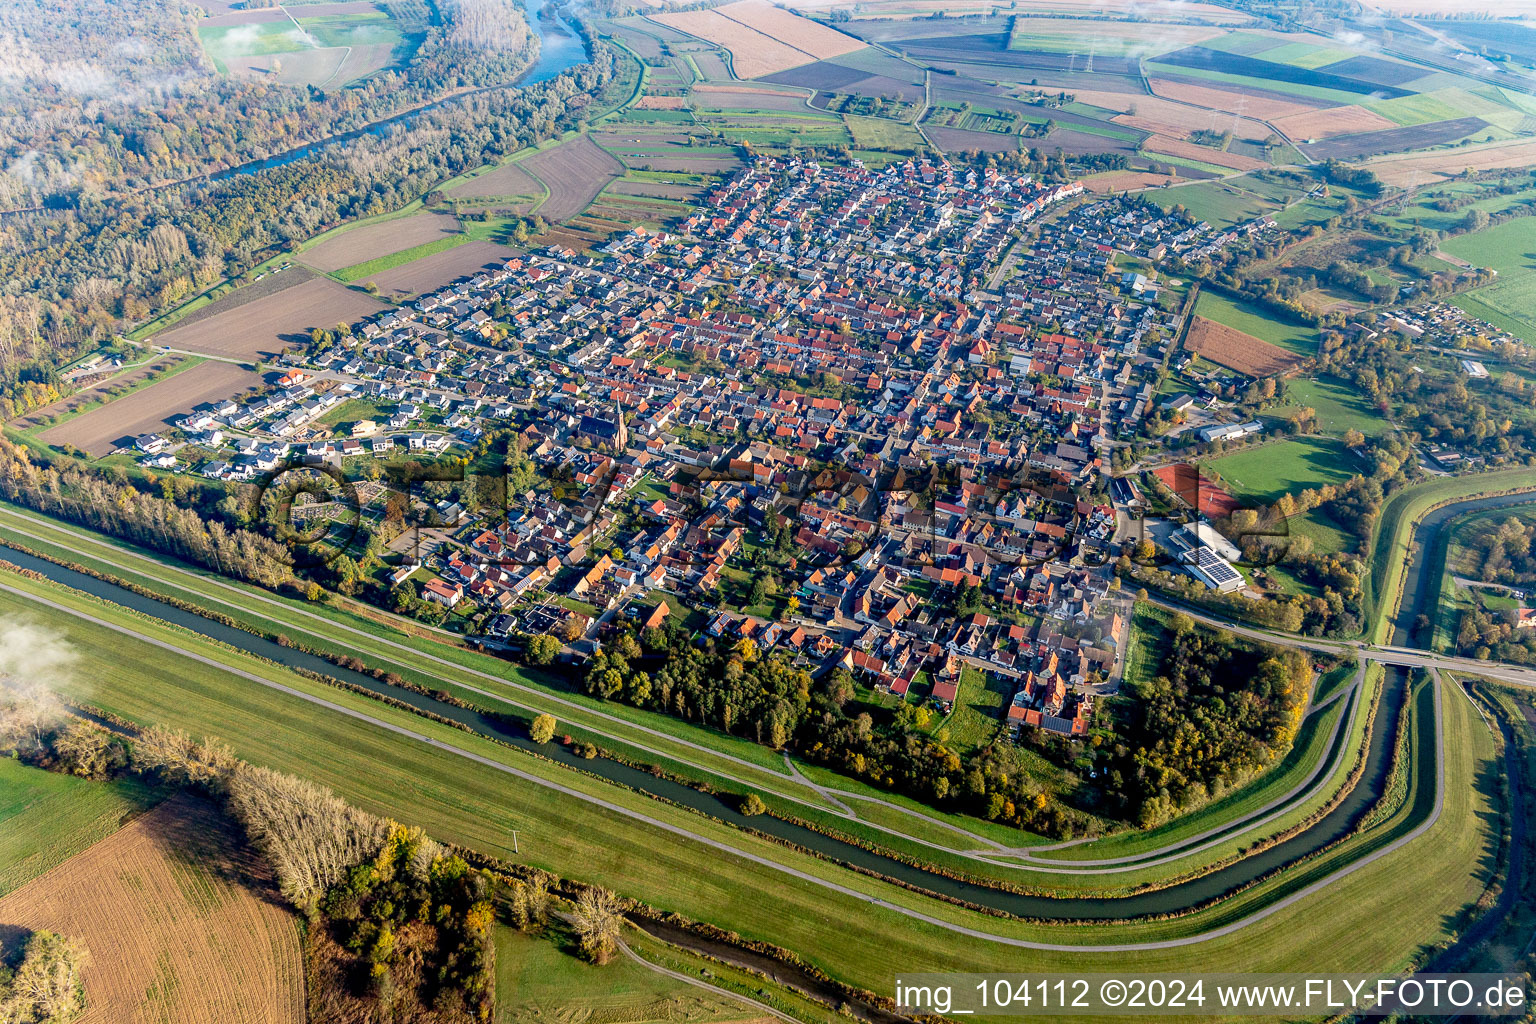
(1217, 98)
(180, 929)
(1236, 350)
(1322, 124)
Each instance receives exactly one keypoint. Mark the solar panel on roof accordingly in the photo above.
(1218, 569)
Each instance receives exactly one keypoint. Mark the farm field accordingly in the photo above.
(1219, 203)
(149, 409)
(108, 390)
(1330, 121)
(753, 54)
(574, 172)
(440, 268)
(1261, 323)
(1338, 406)
(380, 238)
(1169, 146)
(263, 328)
(1510, 301)
(46, 818)
(1266, 471)
(1410, 169)
(320, 45)
(1111, 39)
(374, 267)
(1214, 97)
(1120, 181)
(181, 924)
(1168, 117)
(1235, 350)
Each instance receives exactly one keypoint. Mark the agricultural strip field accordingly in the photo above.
(753, 54)
(1261, 323)
(1330, 121)
(180, 922)
(839, 929)
(1510, 301)
(1205, 59)
(46, 818)
(439, 269)
(263, 328)
(149, 409)
(1391, 140)
(1264, 472)
(744, 98)
(574, 173)
(1168, 146)
(1411, 169)
(87, 397)
(1235, 350)
(1211, 95)
(380, 238)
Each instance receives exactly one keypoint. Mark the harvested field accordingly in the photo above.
(242, 17)
(263, 328)
(1237, 351)
(661, 103)
(1419, 168)
(371, 241)
(1119, 181)
(504, 181)
(1216, 97)
(753, 54)
(1396, 140)
(304, 67)
(1073, 142)
(440, 268)
(574, 172)
(151, 408)
(1196, 491)
(711, 66)
(787, 27)
(959, 140)
(715, 97)
(655, 190)
(1204, 154)
(1322, 124)
(94, 392)
(182, 924)
(1162, 116)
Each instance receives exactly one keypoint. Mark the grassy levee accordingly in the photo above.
(931, 842)
(425, 778)
(266, 613)
(1394, 535)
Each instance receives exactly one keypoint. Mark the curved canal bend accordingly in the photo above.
(1175, 899)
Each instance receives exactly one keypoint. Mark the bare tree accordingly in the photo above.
(46, 988)
(598, 917)
(309, 835)
(181, 761)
